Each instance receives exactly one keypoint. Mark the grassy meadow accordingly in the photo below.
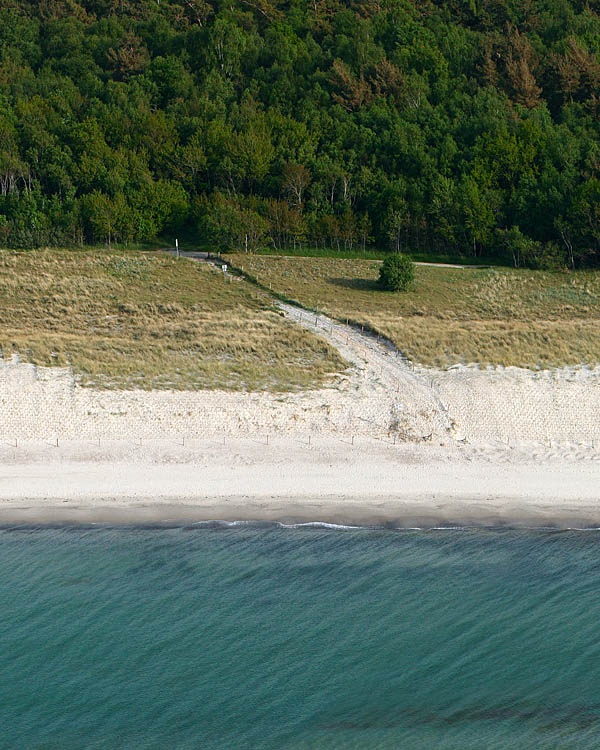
(492, 316)
(149, 320)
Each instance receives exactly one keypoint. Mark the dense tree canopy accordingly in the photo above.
(457, 126)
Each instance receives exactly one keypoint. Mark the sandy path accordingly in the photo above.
(417, 409)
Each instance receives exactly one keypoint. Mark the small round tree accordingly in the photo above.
(396, 273)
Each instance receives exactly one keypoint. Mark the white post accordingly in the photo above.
(177, 247)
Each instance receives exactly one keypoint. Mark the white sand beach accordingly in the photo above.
(384, 443)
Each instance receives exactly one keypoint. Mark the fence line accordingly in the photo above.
(274, 439)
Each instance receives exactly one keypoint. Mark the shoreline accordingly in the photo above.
(452, 515)
(371, 484)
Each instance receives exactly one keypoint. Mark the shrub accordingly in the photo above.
(528, 253)
(396, 273)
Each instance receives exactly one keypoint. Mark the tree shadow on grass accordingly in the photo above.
(364, 285)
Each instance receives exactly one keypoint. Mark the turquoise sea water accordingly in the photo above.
(265, 637)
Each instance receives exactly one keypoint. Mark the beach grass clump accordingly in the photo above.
(149, 320)
(497, 316)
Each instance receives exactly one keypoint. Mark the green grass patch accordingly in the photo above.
(370, 253)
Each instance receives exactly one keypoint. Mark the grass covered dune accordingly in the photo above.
(532, 319)
(151, 321)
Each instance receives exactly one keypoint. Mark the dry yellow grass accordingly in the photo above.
(492, 316)
(148, 320)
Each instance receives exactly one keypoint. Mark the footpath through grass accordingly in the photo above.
(493, 316)
(149, 320)
(369, 253)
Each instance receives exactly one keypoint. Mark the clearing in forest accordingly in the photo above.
(497, 316)
(148, 320)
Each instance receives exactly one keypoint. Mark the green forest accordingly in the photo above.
(460, 127)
